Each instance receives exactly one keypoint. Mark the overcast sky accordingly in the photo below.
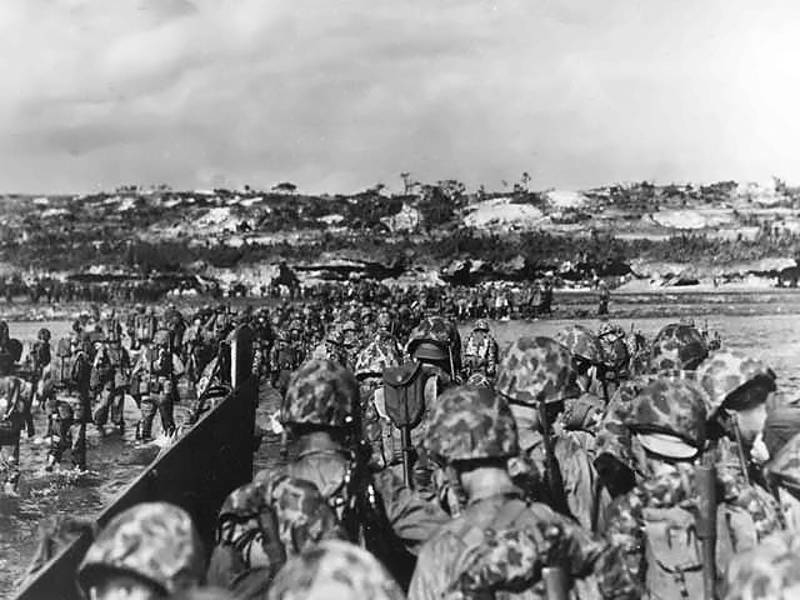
(338, 95)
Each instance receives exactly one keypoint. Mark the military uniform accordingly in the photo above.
(153, 543)
(335, 569)
(157, 370)
(112, 365)
(285, 357)
(15, 416)
(374, 508)
(72, 412)
(500, 542)
(481, 350)
(655, 522)
(262, 525)
(536, 370)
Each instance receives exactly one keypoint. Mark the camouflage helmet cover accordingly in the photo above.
(334, 569)
(335, 336)
(678, 346)
(582, 343)
(533, 370)
(725, 371)
(154, 540)
(673, 406)
(376, 357)
(437, 330)
(481, 325)
(471, 423)
(769, 571)
(244, 502)
(384, 319)
(321, 393)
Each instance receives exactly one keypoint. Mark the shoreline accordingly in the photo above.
(567, 304)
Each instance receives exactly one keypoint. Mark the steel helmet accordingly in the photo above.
(349, 326)
(675, 410)
(375, 358)
(335, 337)
(435, 338)
(470, 423)
(726, 371)
(678, 346)
(582, 344)
(535, 369)
(44, 334)
(384, 320)
(155, 541)
(321, 393)
(481, 325)
(334, 569)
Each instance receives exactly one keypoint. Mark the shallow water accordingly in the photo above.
(774, 337)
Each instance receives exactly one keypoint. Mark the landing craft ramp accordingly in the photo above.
(197, 473)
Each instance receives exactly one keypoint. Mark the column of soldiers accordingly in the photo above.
(589, 465)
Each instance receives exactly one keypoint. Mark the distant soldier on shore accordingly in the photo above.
(604, 297)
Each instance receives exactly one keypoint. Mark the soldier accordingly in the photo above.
(146, 325)
(149, 551)
(321, 413)
(738, 387)
(603, 298)
(351, 339)
(73, 411)
(472, 433)
(480, 351)
(384, 439)
(677, 346)
(260, 526)
(158, 369)
(770, 571)
(334, 569)
(384, 327)
(783, 477)
(42, 372)
(112, 365)
(15, 416)
(284, 358)
(332, 348)
(657, 523)
(536, 377)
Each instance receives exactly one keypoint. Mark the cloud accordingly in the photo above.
(339, 95)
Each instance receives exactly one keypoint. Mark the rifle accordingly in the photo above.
(555, 582)
(706, 478)
(555, 482)
(740, 448)
(404, 401)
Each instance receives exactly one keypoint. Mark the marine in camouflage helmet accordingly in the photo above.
(582, 344)
(469, 423)
(771, 571)
(153, 541)
(439, 332)
(334, 569)
(323, 394)
(671, 411)
(375, 358)
(726, 371)
(533, 370)
(784, 468)
(335, 337)
(677, 346)
(481, 325)
(242, 503)
(384, 320)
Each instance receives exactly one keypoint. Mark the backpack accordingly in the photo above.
(64, 348)
(673, 553)
(404, 394)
